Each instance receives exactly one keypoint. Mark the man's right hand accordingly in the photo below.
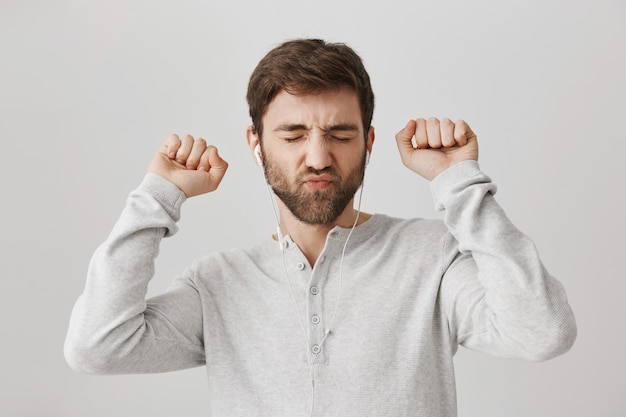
(189, 164)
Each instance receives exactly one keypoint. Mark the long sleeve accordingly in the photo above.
(498, 296)
(113, 329)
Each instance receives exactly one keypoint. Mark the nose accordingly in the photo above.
(318, 155)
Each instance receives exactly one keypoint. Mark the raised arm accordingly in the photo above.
(113, 328)
(497, 294)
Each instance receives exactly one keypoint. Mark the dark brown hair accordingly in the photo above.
(308, 66)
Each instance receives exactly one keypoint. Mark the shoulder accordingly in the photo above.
(237, 265)
(412, 228)
(236, 258)
(430, 238)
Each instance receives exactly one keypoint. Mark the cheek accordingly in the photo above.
(352, 162)
(277, 172)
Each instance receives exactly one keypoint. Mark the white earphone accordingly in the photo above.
(257, 155)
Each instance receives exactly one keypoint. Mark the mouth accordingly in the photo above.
(318, 182)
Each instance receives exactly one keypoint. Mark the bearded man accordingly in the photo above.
(340, 312)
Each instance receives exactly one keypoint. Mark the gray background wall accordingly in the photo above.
(89, 90)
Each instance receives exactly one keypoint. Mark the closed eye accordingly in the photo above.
(341, 138)
(293, 138)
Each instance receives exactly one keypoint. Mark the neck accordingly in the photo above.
(312, 238)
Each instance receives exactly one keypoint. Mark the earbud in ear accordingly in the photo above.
(367, 157)
(257, 155)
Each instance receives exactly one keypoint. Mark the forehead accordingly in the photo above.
(319, 109)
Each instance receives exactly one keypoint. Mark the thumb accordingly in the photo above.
(404, 137)
(217, 166)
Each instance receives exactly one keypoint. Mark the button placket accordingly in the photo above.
(315, 310)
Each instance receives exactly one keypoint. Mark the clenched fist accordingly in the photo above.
(190, 164)
(439, 144)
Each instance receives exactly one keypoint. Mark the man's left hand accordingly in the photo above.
(438, 145)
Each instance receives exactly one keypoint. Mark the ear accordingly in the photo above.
(253, 142)
(370, 139)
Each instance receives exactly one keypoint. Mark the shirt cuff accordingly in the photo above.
(445, 186)
(166, 193)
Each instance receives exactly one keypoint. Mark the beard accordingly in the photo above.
(315, 207)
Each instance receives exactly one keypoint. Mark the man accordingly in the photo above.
(340, 313)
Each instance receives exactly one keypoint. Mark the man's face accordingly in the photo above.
(314, 152)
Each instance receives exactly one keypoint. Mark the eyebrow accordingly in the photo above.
(292, 127)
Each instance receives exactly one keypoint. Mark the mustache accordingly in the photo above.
(311, 171)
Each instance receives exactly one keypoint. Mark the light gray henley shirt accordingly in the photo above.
(412, 291)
